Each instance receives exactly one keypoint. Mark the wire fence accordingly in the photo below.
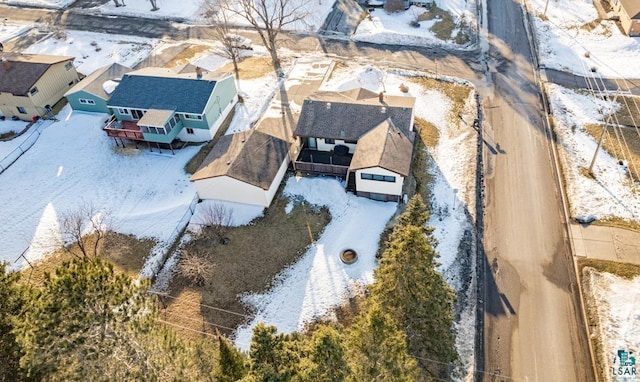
(28, 142)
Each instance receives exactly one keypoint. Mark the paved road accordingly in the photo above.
(532, 330)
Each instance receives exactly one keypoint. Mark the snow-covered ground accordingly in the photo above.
(319, 282)
(74, 164)
(42, 3)
(563, 40)
(616, 308)
(95, 50)
(385, 28)
(11, 30)
(610, 194)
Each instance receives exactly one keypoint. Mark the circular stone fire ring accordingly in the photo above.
(348, 256)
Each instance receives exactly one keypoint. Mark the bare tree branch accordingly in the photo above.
(85, 228)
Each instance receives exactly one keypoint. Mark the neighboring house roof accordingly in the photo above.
(632, 7)
(142, 91)
(350, 114)
(22, 71)
(249, 156)
(94, 83)
(384, 146)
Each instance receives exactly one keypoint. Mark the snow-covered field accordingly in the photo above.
(385, 28)
(11, 30)
(74, 164)
(95, 50)
(610, 194)
(563, 40)
(616, 308)
(42, 3)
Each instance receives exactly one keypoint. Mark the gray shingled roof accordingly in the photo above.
(93, 83)
(24, 71)
(149, 92)
(384, 146)
(249, 156)
(350, 114)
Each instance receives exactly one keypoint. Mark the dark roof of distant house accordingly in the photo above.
(184, 95)
(349, 114)
(248, 156)
(384, 146)
(25, 70)
(94, 82)
(632, 7)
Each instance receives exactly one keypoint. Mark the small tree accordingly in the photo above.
(217, 217)
(85, 228)
(13, 299)
(232, 363)
(230, 48)
(195, 267)
(268, 18)
(273, 356)
(327, 355)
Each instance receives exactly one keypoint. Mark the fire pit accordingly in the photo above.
(348, 256)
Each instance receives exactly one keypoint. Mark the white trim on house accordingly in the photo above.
(379, 186)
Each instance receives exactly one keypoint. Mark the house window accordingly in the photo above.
(377, 177)
(123, 111)
(193, 116)
(171, 123)
(189, 130)
(85, 101)
(351, 142)
(68, 65)
(378, 197)
(330, 141)
(33, 91)
(176, 118)
(70, 83)
(21, 110)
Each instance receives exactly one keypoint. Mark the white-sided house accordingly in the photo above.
(158, 105)
(363, 137)
(246, 167)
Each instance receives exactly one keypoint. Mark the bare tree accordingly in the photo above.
(119, 3)
(85, 228)
(268, 18)
(195, 267)
(217, 217)
(230, 49)
(154, 5)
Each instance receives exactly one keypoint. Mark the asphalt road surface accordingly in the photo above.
(533, 328)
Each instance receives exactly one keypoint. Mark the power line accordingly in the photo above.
(200, 304)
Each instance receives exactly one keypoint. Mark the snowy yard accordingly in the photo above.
(385, 28)
(75, 163)
(95, 50)
(611, 193)
(615, 312)
(564, 38)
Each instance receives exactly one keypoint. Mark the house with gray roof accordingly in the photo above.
(361, 136)
(31, 84)
(92, 93)
(160, 106)
(246, 167)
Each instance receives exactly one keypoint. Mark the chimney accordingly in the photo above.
(198, 73)
(5, 64)
(381, 97)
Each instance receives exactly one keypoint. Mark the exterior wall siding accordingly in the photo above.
(379, 187)
(232, 190)
(99, 107)
(271, 192)
(222, 99)
(51, 88)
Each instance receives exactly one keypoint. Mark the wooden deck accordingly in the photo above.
(322, 163)
(124, 130)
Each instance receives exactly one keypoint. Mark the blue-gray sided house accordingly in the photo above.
(93, 92)
(160, 106)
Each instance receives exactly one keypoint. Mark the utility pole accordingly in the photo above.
(604, 131)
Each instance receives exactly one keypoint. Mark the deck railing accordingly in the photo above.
(117, 129)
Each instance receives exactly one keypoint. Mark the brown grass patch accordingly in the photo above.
(591, 25)
(624, 270)
(127, 254)
(428, 132)
(187, 55)
(251, 67)
(629, 111)
(613, 147)
(8, 135)
(613, 221)
(442, 28)
(255, 254)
